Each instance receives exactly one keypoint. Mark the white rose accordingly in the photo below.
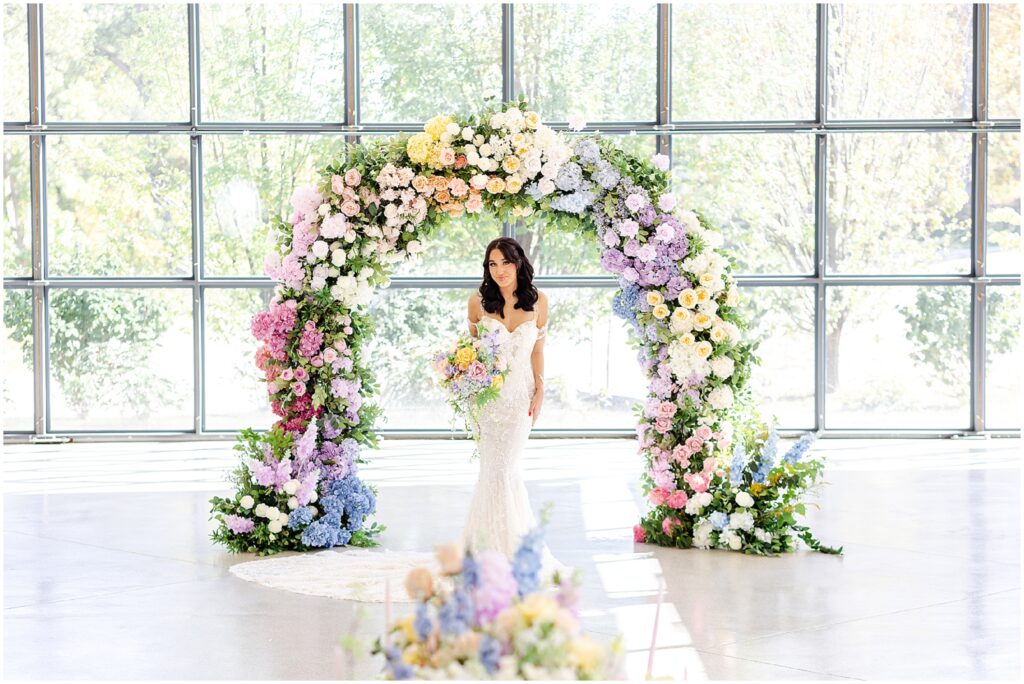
(452, 128)
(467, 133)
(273, 512)
(722, 366)
(732, 539)
(312, 498)
(485, 150)
(546, 186)
(742, 520)
(478, 140)
(246, 502)
(320, 249)
(732, 297)
(275, 526)
(702, 534)
(744, 499)
(338, 257)
(704, 498)
(762, 535)
(291, 486)
(324, 209)
(293, 503)
(261, 510)
(720, 397)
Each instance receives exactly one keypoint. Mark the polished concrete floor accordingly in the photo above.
(109, 574)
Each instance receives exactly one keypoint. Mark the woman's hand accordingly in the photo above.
(535, 403)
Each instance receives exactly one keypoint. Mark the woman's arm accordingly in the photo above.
(473, 314)
(537, 357)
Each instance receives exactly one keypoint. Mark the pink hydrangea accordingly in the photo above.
(677, 499)
(497, 585)
(638, 534)
(311, 340)
(658, 496)
(306, 199)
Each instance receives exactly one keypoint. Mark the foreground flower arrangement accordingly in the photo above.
(487, 618)
(698, 433)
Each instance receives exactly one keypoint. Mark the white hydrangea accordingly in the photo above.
(730, 538)
(684, 360)
(762, 535)
(742, 520)
(720, 397)
(702, 534)
(722, 366)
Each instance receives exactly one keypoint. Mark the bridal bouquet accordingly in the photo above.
(471, 372)
(488, 618)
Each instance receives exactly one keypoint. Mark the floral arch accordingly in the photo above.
(712, 472)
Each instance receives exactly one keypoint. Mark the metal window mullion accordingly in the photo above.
(979, 218)
(351, 22)
(195, 175)
(820, 216)
(508, 79)
(663, 97)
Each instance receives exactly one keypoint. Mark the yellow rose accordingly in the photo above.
(435, 127)
(532, 119)
(755, 489)
(419, 148)
(518, 139)
(654, 298)
(495, 185)
(686, 340)
(513, 185)
(702, 294)
(701, 320)
(717, 334)
(497, 381)
(681, 315)
(511, 163)
(703, 349)
(660, 311)
(688, 298)
(465, 356)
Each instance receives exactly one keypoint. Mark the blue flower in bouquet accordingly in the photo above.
(332, 505)
(605, 175)
(739, 462)
(573, 203)
(626, 302)
(533, 190)
(464, 608)
(422, 623)
(527, 562)
(719, 520)
(797, 451)
(470, 572)
(398, 668)
(569, 177)
(300, 517)
(587, 151)
(324, 532)
(450, 618)
(490, 653)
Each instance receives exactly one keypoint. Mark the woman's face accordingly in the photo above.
(501, 269)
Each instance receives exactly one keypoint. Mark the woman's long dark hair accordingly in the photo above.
(526, 293)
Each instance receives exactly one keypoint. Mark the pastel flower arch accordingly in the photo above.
(705, 449)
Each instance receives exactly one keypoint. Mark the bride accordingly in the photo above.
(507, 303)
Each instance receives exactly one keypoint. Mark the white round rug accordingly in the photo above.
(350, 574)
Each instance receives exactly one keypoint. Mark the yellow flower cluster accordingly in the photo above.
(465, 356)
(426, 148)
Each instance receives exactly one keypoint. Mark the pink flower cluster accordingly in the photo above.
(309, 344)
(272, 327)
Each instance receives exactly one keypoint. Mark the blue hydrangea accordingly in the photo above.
(464, 607)
(332, 505)
(323, 533)
(422, 623)
(300, 517)
(626, 303)
(719, 520)
(605, 175)
(587, 151)
(533, 190)
(490, 653)
(797, 451)
(573, 203)
(569, 177)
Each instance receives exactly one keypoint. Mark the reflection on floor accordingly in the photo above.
(109, 572)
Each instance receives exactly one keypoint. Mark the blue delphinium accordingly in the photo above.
(451, 619)
(797, 451)
(739, 462)
(526, 562)
(300, 517)
(470, 572)
(768, 453)
(399, 669)
(464, 608)
(490, 653)
(422, 623)
(719, 520)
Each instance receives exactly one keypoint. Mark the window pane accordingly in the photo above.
(17, 208)
(236, 395)
(758, 190)
(110, 62)
(121, 359)
(19, 392)
(1003, 203)
(743, 62)
(15, 62)
(247, 180)
(899, 61)
(596, 59)
(272, 62)
(1002, 362)
(456, 249)
(554, 251)
(898, 357)
(404, 77)
(899, 203)
(783, 319)
(591, 377)
(119, 205)
(1004, 61)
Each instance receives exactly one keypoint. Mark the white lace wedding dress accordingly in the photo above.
(499, 514)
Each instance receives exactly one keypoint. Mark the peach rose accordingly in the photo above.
(495, 185)
(447, 156)
(442, 196)
(474, 204)
(438, 182)
(337, 184)
(460, 161)
(420, 584)
(458, 187)
(352, 177)
(422, 185)
(350, 208)
(455, 210)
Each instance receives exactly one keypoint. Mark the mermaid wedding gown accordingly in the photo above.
(499, 514)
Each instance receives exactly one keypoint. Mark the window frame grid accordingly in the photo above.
(662, 126)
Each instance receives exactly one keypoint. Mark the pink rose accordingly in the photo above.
(476, 371)
(677, 499)
(341, 345)
(474, 204)
(299, 388)
(697, 481)
(447, 156)
(330, 355)
(681, 455)
(347, 330)
(350, 208)
(694, 443)
(337, 184)
(317, 361)
(667, 524)
(709, 464)
(638, 534)
(458, 187)
(704, 432)
(301, 374)
(352, 177)
(663, 425)
(658, 496)
(288, 374)
(667, 409)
